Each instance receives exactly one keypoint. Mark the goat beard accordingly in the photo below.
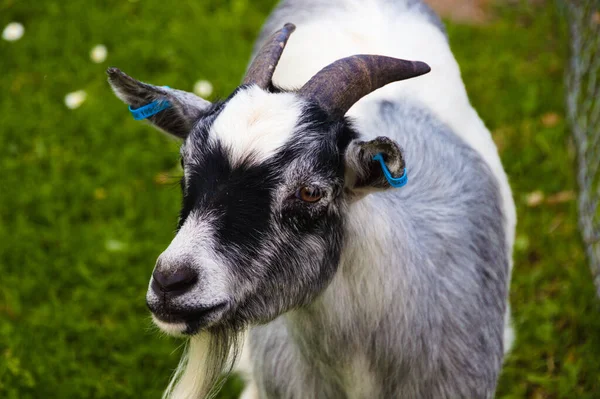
(206, 357)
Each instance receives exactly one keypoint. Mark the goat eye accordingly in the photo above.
(309, 194)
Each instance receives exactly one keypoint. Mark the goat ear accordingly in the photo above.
(365, 174)
(184, 110)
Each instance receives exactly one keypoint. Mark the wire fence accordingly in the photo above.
(583, 108)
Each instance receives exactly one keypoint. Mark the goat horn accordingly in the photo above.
(341, 84)
(262, 68)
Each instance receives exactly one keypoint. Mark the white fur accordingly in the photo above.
(359, 380)
(188, 378)
(243, 364)
(244, 367)
(255, 124)
(250, 391)
(509, 332)
(175, 329)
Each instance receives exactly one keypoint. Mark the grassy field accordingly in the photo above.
(88, 197)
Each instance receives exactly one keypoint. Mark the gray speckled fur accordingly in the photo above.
(299, 11)
(440, 334)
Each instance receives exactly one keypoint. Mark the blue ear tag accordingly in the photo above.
(148, 110)
(153, 108)
(395, 182)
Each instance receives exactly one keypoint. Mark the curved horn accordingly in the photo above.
(262, 68)
(341, 84)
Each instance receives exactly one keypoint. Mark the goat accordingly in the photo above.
(291, 237)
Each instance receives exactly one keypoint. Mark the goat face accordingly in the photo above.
(260, 227)
(268, 175)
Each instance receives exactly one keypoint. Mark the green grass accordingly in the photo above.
(84, 208)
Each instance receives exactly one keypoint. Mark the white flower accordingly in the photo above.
(13, 31)
(203, 88)
(98, 53)
(114, 245)
(75, 99)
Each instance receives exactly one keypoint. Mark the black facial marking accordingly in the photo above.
(238, 198)
(197, 141)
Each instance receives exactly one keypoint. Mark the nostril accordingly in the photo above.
(180, 280)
